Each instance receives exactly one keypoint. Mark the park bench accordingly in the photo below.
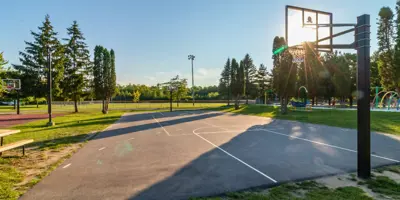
(14, 145)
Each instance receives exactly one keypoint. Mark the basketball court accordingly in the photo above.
(177, 155)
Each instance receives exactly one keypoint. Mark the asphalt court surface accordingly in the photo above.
(185, 154)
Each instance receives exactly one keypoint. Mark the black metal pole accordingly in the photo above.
(17, 102)
(170, 100)
(49, 100)
(363, 98)
(192, 84)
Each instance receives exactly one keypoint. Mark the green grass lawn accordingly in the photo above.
(68, 129)
(113, 106)
(387, 122)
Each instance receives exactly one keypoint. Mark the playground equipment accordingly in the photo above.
(392, 94)
(376, 99)
(298, 93)
(296, 105)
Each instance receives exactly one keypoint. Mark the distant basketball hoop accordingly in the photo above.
(11, 84)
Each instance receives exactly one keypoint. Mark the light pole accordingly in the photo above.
(191, 57)
(171, 89)
(49, 100)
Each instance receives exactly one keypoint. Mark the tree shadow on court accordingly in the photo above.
(243, 159)
(153, 125)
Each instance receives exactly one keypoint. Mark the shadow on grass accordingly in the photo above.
(58, 142)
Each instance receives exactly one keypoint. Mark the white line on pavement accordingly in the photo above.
(258, 171)
(329, 145)
(162, 113)
(131, 139)
(161, 126)
(66, 165)
(102, 148)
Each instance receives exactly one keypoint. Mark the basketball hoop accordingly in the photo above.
(11, 84)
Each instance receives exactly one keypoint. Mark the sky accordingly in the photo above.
(152, 39)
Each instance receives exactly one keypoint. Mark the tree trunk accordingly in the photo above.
(37, 103)
(15, 104)
(351, 101)
(316, 101)
(329, 101)
(104, 106)
(247, 99)
(237, 102)
(312, 101)
(284, 105)
(76, 105)
(229, 98)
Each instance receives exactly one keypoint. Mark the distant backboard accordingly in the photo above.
(11, 84)
(307, 25)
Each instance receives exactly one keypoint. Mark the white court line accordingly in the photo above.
(161, 126)
(161, 113)
(329, 145)
(102, 148)
(258, 171)
(131, 139)
(316, 142)
(66, 165)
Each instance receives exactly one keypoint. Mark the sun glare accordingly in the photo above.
(298, 34)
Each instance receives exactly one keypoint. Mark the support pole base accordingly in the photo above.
(51, 123)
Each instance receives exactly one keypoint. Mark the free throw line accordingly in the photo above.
(161, 126)
(227, 153)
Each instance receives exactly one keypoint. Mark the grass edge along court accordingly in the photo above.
(384, 122)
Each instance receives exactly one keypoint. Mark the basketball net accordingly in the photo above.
(297, 54)
(9, 88)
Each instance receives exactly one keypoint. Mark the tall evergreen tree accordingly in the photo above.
(284, 74)
(342, 76)
(34, 67)
(76, 65)
(104, 76)
(250, 72)
(375, 78)
(98, 74)
(224, 82)
(396, 63)
(262, 81)
(113, 78)
(385, 40)
(237, 81)
(107, 78)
